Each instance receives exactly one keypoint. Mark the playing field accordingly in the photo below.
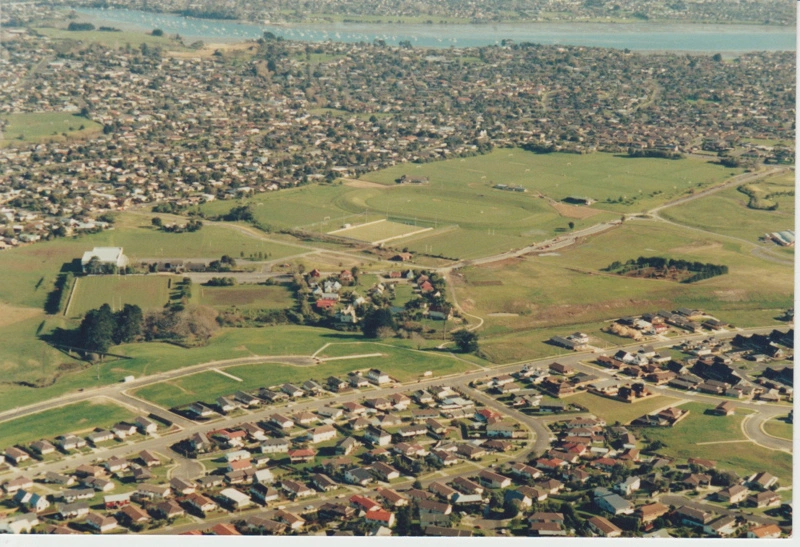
(461, 193)
(245, 296)
(75, 418)
(146, 291)
(378, 231)
(45, 126)
(686, 440)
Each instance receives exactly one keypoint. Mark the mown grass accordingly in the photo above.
(403, 365)
(45, 126)
(146, 291)
(779, 428)
(744, 458)
(616, 411)
(78, 417)
(726, 212)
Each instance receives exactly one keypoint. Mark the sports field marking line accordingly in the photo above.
(360, 356)
(357, 226)
(231, 376)
(401, 236)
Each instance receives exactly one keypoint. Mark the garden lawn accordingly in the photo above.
(74, 418)
(779, 428)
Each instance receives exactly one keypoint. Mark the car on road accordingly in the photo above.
(308, 508)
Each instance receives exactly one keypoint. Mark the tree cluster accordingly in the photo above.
(701, 270)
(101, 328)
(221, 282)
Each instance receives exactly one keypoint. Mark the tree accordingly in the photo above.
(467, 341)
(156, 221)
(129, 321)
(157, 32)
(571, 225)
(97, 329)
(376, 323)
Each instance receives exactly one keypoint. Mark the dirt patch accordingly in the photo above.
(573, 211)
(11, 314)
(734, 295)
(500, 263)
(663, 274)
(357, 183)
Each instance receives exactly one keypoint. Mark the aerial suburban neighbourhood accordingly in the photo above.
(354, 268)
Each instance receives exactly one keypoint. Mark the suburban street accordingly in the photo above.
(540, 434)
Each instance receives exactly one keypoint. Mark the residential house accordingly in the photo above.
(724, 526)
(100, 523)
(493, 480)
(603, 527)
(234, 498)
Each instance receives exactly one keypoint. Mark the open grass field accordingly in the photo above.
(276, 297)
(206, 386)
(111, 39)
(599, 176)
(570, 289)
(726, 212)
(489, 220)
(779, 428)
(45, 126)
(744, 458)
(74, 418)
(616, 411)
(146, 291)
(377, 231)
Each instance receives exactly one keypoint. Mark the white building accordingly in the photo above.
(106, 256)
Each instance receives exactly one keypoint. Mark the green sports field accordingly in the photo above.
(45, 126)
(146, 291)
(378, 231)
(75, 418)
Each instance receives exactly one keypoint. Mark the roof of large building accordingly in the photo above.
(103, 254)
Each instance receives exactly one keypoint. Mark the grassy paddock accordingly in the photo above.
(726, 212)
(616, 411)
(245, 296)
(112, 39)
(74, 418)
(46, 126)
(744, 458)
(146, 291)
